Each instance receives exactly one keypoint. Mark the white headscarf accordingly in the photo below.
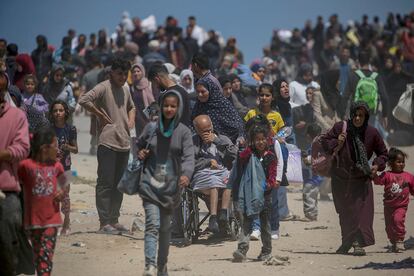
(184, 73)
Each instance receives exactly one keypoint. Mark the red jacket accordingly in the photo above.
(269, 164)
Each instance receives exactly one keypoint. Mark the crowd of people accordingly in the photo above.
(187, 106)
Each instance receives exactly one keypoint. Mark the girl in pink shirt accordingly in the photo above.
(40, 176)
(398, 185)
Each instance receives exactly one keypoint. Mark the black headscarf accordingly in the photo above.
(280, 103)
(52, 88)
(357, 135)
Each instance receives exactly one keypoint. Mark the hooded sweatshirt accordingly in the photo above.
(14, 138)
(171, 156)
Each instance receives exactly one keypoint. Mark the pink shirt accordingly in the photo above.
(40, 185)
(397, 188)
(14, 137)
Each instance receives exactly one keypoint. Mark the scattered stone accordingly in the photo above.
(78, 244)
(316, 228)
(181, 268)
(277, 260)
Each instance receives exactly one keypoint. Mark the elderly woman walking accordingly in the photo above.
(351, 177)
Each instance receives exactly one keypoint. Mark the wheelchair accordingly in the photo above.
(191, 222)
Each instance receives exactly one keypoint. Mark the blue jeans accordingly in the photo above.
(157, 230)
(274, 215)
(283, 204)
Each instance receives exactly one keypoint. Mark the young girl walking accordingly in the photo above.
(31, 97)
(43, 181)
(166, 148)
(67, 143)
(398, 184)
(252, 192)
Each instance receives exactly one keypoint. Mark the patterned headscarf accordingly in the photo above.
(358, 137)
(226, 120)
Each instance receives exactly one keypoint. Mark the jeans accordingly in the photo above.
(282, 202)
(274, 216)
(247, 222)
(111, 166)
(157, 230)
(310, 200)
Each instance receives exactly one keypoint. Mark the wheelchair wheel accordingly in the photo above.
(186, 214)
(190, 212)
(196, 218)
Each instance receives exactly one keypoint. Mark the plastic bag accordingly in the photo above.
(294, 171)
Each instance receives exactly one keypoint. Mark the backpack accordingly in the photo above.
(367, 90)
(321, 160)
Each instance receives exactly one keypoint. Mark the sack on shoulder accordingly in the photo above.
(321, 160)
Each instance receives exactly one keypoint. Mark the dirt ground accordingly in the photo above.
(310, 251)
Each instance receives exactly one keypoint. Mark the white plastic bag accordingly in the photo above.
(294, 168)
(404, 109)
(149, 24)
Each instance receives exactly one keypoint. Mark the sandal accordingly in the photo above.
(358, 250)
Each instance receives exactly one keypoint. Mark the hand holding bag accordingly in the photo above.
(129, 182)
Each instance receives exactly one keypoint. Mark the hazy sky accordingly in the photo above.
(251, 22)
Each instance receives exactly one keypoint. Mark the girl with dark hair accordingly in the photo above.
(351, 176)
(43, 181)
(32, 97)
(398, 185)
(166, 147)
(67, 143)
(254, 198)
(281, 103)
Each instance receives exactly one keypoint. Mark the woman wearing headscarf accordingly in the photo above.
(245, 95)
(297, 88)
(142, 96)
(352, 174)
(187, 80)
(327, 103)
(211, 102)
(59, 88)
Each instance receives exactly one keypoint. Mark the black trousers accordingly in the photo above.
(111, 166)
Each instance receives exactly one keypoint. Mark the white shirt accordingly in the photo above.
(199, 35)
(279, 167)
(297, 92)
